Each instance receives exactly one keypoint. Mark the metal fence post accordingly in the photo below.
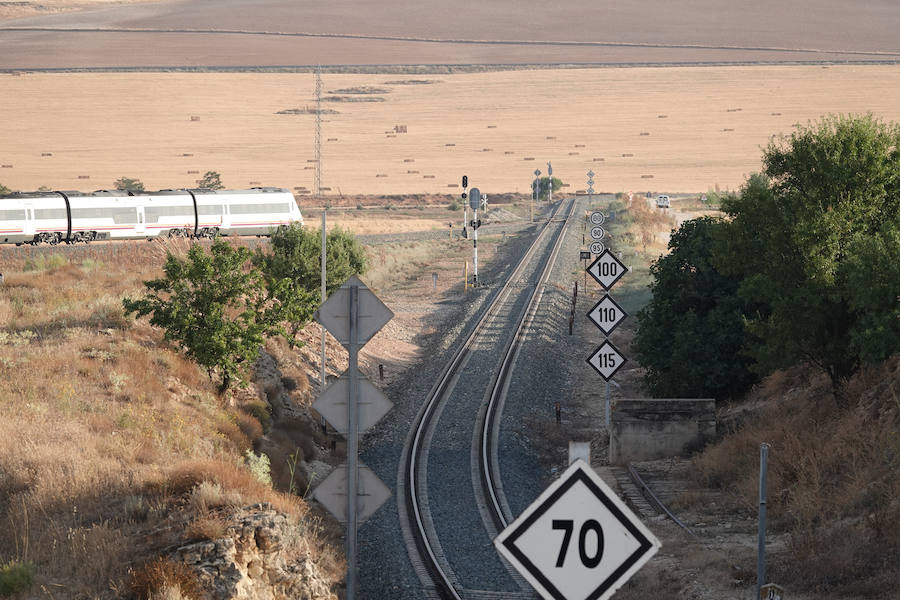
(761, 551)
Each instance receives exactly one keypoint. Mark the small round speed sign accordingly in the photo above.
(597, 233)
(597, 218)
(597, 248)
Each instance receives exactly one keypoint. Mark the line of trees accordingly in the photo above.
(804, 268)
(219, 305)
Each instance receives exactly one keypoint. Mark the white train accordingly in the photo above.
(54, 217)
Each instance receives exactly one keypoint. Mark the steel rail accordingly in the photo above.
(445, 587)
(489, 479)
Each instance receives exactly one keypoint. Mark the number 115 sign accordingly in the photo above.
(578, 540)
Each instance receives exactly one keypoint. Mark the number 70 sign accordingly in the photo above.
(578, 540)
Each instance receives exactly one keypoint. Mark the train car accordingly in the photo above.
(257, 211)
(53, 217)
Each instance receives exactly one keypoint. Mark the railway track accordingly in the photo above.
(463, 506)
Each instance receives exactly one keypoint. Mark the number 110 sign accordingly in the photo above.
(578, 540)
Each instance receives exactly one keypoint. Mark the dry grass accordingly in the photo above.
(833, 476)
(107, 433)
(162, 579)
(240, 135)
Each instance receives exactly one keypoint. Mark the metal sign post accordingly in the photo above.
(475, 202)
(353, 314)
(352, 441)
(761, 550)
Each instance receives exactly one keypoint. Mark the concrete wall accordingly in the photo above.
(646, 429)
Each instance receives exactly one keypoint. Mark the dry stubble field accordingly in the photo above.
(661, 129)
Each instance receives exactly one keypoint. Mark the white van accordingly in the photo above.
(662, 201)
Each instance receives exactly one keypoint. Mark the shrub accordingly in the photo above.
(453, 205)
(163, 578)
(45, 263)
(15, 577)
(128, 183)
(260, 411)
(258, 464)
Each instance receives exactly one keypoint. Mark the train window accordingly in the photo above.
(153, 213)
(50, 213)
(254, 209)
(209, 209)
(123, 215)
(12, 215)
(89, 213)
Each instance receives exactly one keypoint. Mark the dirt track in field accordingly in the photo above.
(640, 129)
(346, 32)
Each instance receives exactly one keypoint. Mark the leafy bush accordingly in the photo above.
(15, 577)
(258, 464)
(454, 205)
(128, 183)
(211, 180)
(209, 305)
(44, 262)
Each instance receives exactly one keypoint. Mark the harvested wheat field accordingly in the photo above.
(661, 129)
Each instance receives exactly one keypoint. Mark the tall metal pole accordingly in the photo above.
(465, 232)
(761, 550)
(318, 178)
(352, 442)
(607, 405)
(323, 297)
(550, 177)
(475, 229)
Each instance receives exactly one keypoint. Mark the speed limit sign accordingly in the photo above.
(597, 248)
(597, 218)
(597, 233)
(578, 540)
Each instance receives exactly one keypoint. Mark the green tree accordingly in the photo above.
(211, 180)
(4, 190)
(544, 186)
(129, 184)
(691, 335)
(292, 270)
(212, 306)
(806, 236)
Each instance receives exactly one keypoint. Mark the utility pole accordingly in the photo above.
(761, 535)
(323, 296)
(318, 188)
(318, 179)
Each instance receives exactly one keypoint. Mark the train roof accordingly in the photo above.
(164, 192)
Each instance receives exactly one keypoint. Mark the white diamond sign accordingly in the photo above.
(334, 314)
(606, 360)
(333, 403)
(371, 493)
(607, 314)
(607, 269)
(578, 540)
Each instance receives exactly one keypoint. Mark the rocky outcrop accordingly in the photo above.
(261, 557)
